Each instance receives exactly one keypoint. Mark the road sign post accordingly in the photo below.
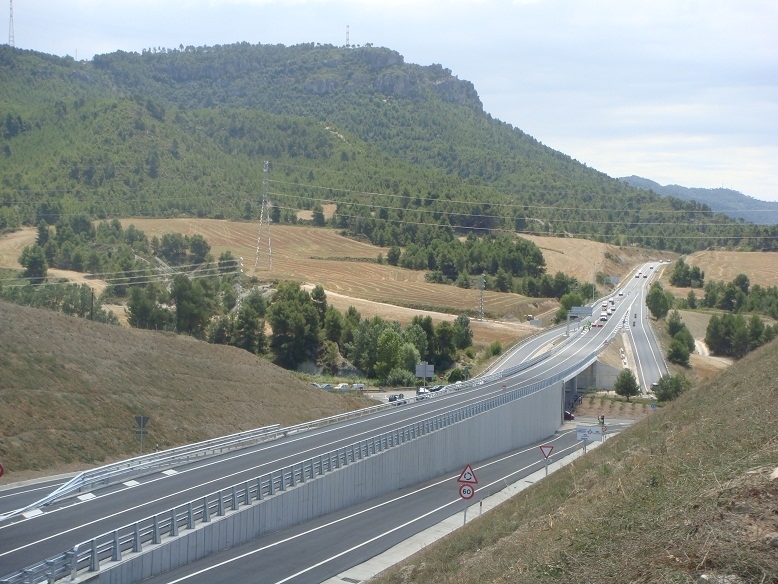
(141, 431)
(466, 481)
(425, 370)
(547, 449)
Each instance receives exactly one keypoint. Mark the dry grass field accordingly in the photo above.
(760, 267)
(70, 389)
(349, 273)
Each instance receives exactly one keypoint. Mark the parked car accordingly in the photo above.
(395, 397)
(422, 392)
(437, 387)
(569, 415)
(341, 386)
(358, 386)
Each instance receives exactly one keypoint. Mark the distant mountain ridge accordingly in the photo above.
(399, 148)
(732, 203)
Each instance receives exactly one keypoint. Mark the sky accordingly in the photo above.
(678, 91)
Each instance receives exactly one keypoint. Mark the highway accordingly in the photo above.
(649, 361)
(62, 525)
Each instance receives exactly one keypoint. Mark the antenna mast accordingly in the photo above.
(347, 41)
(264, 221)
(11, 26)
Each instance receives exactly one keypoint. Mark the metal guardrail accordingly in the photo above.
(134, 467)
(88, 555)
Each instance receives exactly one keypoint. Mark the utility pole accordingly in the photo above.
(264, 221)
(11, 41)
(481, 305)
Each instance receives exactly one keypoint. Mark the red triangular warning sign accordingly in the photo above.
(468, 476)
(546, 449)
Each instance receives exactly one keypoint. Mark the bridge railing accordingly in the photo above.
(89, 555)
(148, 463)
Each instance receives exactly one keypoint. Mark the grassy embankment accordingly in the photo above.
(70, 390)
(684, 492)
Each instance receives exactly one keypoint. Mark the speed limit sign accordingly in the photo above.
(466, 491)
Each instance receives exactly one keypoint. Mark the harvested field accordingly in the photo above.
(584, 259)
(341, 265)
(760, 267)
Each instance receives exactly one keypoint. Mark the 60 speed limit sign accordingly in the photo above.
(466, 491)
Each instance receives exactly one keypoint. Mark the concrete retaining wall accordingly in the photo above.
(506, 428)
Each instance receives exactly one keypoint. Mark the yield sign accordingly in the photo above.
(546, 450)
(468, 476)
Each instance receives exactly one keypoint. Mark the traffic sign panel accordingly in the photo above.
(467, 476)
(546, 449)
(588, 432)
(466, 491)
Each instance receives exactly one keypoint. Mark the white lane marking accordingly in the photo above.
(363, 511)
(131, 483)
(170, 472)
(86, 497)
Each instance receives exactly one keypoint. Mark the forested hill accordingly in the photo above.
(395, 145)
(732, 203)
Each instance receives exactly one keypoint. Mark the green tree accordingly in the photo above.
(295, 324)
(463, 334)
(626, 385)
(409, 356)
(393, 256)
(334, 324)
(387, 352)
(330, 357)
(173, 248)
(227, 262)
(249, 331)
(220, 331)
(670, 387)
(193, 309)
(714, 335)
(691, 299)
(685, 336)
(756, 331)
(678, 353)
(198, 248)
(33, 260)
(415, 335)
(319, 299)
(444, 340)
(674, 323)
(318, 215)
(43, 233)
(658, 302)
